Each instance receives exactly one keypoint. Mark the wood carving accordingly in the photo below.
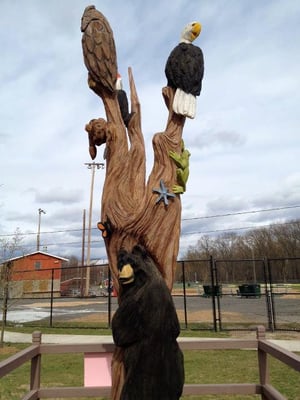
(133, 211)
(130, 207)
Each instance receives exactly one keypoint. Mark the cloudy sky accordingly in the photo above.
(244, 141)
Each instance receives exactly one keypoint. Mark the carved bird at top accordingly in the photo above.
(99, 51)
(184, 71)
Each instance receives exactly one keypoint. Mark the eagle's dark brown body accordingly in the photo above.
(99, 51)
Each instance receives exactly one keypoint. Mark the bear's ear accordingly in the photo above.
(122, 253)
(139, 250)
(122, 258)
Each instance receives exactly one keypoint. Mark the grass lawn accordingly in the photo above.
(216, 366)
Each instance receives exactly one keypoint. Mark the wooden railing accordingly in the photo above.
(264, 349)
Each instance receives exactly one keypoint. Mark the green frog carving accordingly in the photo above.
(182, 172)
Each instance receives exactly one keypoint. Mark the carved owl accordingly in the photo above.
(99, 51)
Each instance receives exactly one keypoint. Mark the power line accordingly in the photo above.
(45, 232)
(183, 219)
(242, 213)
(237, 229)
(182, 234)
(56, 244)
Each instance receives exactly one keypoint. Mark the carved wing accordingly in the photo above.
(185, 67)
(98, 45)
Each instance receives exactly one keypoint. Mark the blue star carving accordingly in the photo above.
(163, 193)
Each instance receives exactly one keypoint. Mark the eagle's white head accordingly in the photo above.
(190, 32)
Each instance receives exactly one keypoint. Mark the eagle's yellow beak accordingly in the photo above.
(196, 30)
(126, 275)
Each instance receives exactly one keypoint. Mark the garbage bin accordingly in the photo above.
(209, 290)
(250, 290)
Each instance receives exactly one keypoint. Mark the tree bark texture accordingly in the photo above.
(130, 208)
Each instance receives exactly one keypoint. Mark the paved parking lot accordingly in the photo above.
(233, 309)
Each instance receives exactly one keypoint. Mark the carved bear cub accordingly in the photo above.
(146, 326)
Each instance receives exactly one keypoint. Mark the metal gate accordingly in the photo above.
(243, 293)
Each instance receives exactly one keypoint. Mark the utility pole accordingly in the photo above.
(92, 166)
(82, 254)
(39, 229)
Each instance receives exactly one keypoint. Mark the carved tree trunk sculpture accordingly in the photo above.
(133, 211)
(136, 212)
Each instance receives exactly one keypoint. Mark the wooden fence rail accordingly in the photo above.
(263, 347)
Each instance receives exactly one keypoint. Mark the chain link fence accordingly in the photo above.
(210, 294)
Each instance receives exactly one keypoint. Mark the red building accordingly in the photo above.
(35, 275)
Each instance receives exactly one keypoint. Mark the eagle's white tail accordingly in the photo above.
(184, 104)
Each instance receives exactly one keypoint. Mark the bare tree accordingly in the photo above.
(275, 241)
(8, 248)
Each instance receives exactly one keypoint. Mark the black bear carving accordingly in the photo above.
(146, 327)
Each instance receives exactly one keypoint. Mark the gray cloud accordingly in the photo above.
(58, 195)
(218, 138)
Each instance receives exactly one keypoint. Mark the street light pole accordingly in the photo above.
(39, 229)
(92, 166)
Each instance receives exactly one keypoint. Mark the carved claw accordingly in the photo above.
(92, 84)
(178, 189)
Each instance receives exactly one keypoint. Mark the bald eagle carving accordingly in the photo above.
(99, 51)
(184, 71)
